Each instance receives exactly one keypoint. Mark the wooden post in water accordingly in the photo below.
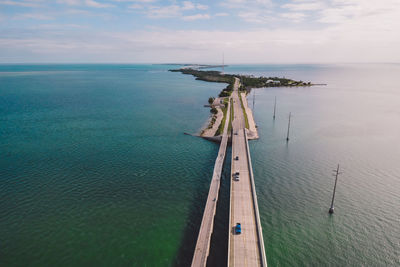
(288, 127)
(336, 174)
(274, 108)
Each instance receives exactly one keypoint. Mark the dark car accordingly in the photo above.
(238, 229)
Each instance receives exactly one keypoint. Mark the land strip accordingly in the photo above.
(247, 82)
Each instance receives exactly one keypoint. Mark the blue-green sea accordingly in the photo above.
(95, 169)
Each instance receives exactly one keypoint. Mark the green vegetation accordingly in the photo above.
(211, 100)
(208, 76)
(231, 117)
(247, 82)
(246, 120)
(211, 76)
(222, 125)
(213, 110)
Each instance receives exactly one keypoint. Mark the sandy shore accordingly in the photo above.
(253, 133)
(209, 132)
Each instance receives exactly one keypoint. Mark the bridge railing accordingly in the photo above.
(255, 204)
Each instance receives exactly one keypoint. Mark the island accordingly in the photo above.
(242, 83)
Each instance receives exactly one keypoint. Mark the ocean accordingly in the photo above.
(95, 168)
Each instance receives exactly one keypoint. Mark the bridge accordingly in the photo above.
(247, 248)
(204, 238)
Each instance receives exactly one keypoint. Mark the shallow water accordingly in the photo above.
(95, 169)
(354, 121)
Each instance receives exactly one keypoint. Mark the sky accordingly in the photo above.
(199, 31)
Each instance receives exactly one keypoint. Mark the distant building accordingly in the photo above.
(273, 82)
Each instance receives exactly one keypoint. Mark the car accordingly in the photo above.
(237, 158)
(236, 132)
(236, 176)
(238, 229)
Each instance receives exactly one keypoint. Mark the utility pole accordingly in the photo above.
(274, 108)
(288, 127)
(336, 174)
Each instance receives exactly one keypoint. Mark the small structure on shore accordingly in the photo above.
(273, 82)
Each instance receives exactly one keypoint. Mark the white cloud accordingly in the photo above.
(21, 3)
(92, 3)
(196, 17)
(70, 2)
(175, 11)
(304, 6)
(136, 6)
(294, 16)
(164, 12)
(88, 3)
(136, 1)
(187, 5)
(247, 4)
(256, 17)
(341, 31)
(201, 7)
(334, 44)
(36, 16)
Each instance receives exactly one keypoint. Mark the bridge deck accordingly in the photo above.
(247, 248)
(203, 240)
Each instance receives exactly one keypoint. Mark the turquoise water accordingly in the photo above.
(354, 121)
(94, 165)
(95, 169)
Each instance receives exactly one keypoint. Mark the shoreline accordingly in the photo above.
(253, 132)
(210, 132)
(244, 84)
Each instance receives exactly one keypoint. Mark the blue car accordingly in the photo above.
(238, 229)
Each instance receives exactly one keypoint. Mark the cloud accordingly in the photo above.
(187, 5)
(164, 12)
(256, 17)
(201, 7)
(196, 17)
(340, 31)
(294, 16)
(20, 3)
(175, 10)
(304, 6)
(88, 3)
(247, 4)
(70, 2)
(36, 16)
(136, 1)
(92, 3)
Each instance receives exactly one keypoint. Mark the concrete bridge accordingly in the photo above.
(247, 248)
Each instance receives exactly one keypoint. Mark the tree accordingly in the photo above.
(211, 100)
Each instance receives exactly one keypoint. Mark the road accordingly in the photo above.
(247, 248)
